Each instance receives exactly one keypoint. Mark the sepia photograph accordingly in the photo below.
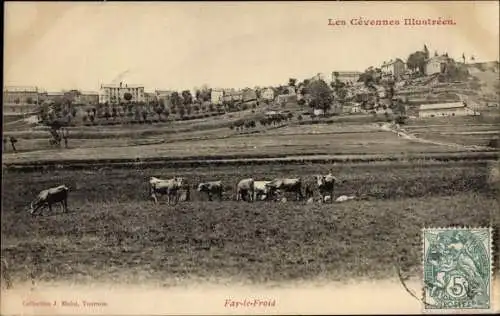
(222, 158)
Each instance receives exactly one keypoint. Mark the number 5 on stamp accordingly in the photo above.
(457, 268)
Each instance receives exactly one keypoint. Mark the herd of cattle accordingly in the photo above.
(246, 190)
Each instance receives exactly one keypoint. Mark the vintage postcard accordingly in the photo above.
(216, 158)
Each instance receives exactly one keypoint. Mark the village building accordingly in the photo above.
(217, 96)
(267, 94)
(437, 64)
(283, 99)
(445, 109)
(115, 94)
(149, 97)
(164, 96)
(249, 95)
(86, 98)
(51, 97)
(395, 67)
(20, 95)
(347, 77)
(291, 90)
(318, 112)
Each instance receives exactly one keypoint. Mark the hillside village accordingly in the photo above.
(425, 85)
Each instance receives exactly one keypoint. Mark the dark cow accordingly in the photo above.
(326, 185)
(168, 187)
(213, 188)
(245, 190)
(48, 197)
(286, 185)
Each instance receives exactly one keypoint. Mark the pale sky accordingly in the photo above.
(184, 45)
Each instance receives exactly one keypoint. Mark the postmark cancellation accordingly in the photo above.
(457, 265)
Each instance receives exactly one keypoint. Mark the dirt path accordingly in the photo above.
(401, 132)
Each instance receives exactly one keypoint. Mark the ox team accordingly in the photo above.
(246, 190)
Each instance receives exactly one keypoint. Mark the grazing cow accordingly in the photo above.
(261, 190)
(168, 187)
(245, 189)
(48, 197)
(211, 188)
(326, 184)
(286, 185)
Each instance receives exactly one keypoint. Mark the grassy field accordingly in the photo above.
(291, 140)
(113, 233)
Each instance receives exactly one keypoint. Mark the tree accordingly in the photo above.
(426, 52)
(127, 96)
(159, 109)
(175, 99)
(182, 111)
(137, 114)
(321, 95)
(416, 61)
(292, 82)
(187, 97)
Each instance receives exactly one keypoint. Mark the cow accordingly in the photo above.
(326, 185)
(261, 190)
(286, 185)
(48, 197)
(168, 187)
(211, 188)
(245, 189)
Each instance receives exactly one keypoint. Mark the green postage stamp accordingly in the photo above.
(457, 266)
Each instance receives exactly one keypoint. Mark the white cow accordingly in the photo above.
(168, 187)
(261, 190)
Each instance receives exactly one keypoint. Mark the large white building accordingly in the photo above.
(346, 76)
(217, 96)
(116, 93)
(445, 109)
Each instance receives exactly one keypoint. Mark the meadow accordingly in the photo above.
(288, 139)
(113, 232)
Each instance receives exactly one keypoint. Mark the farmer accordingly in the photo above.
(13, 142)
(65, 135)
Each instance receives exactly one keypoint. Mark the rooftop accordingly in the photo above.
(438, 106)
(390, 62)
(122, 86)
(345, 73)
(20, 89)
